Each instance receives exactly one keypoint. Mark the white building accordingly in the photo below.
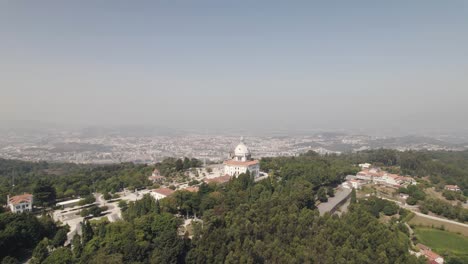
(20, 203)
(365, 166)
(161, 193)
(453, 188)
(356, 184)
(378, 176)
(156, 177)
(241, 161)
(69, 203)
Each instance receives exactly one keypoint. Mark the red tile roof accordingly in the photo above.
(371, 173)
(23, 198)
(241, 163)
(431, 255)
(192, 189)
(220, 179)
(164, 191)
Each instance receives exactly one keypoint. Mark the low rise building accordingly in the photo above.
(356, 184)
(156, 177)
(369, 174)
(453, 188)
(69, 203)
(365, 166)
(431, 256)
(241, 161)
(192, 189)
(20, 203)
(161, 193)
(378, 176)
(220, 180)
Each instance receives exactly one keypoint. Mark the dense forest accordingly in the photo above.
(71, 180)
(274, 220)
(68, 179)
(20, 233)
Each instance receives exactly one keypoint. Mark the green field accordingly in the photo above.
(443, 241)
(431, 223)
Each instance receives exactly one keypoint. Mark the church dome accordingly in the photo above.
(242, 150)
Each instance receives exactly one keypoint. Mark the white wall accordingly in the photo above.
(22, 207)
(158, 196)
(237, 170)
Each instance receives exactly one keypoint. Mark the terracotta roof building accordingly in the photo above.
(453, 188)
(161, 193)
(241, 162)
(20, 203)
(192, 189)
(155, 179)
(431, 256)
(220, 179)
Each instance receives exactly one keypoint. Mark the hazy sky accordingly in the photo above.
(380, 65)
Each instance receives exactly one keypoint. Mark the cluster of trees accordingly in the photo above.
(51, 181)
(416, 193)
(20, 233)
(93, 211)
(436, 206)
(445, 209)
(147, 235)
(44, 193)
(451, 195)
(323, 193)
(108, 196)
(376, 206)
(321, 171)
(274, 220)
(88, 199)
(51, 251)
(171, 166)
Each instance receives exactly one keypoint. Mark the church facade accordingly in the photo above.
(241, 161)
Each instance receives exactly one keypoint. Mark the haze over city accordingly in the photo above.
(216, 131)
(394, 67)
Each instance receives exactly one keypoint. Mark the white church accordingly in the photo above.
(240, 161)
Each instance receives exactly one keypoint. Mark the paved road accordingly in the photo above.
(440, 219)
(413, 209)
(76, 230)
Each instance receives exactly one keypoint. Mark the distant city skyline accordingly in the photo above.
(394, 67)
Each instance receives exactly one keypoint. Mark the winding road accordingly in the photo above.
(412, 209)
(440, 219)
